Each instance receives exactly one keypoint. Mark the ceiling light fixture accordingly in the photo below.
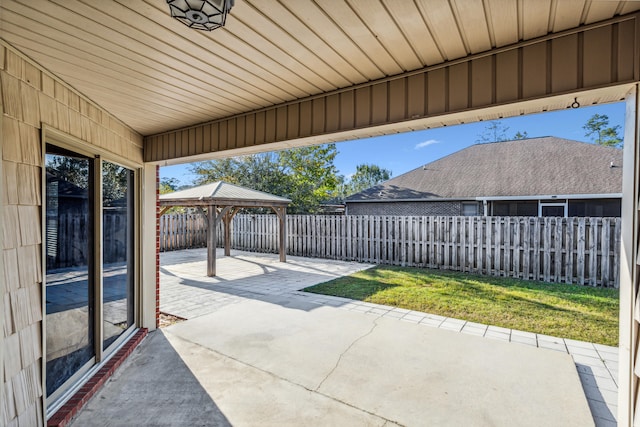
(203, 15)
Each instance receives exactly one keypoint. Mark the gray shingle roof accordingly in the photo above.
(530, 167)
(223, 191)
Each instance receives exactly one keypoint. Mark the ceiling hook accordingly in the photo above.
(575, 103)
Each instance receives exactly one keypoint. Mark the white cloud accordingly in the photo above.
(426, 143)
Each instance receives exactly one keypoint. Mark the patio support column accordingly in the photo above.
(629, 269)
(148, 232)
(212, 213)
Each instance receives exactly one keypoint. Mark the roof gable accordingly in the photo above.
(529, 167)
(223, 191)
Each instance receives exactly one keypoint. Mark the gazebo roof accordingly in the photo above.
(222, 194)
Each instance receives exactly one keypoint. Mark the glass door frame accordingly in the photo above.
(97, 155)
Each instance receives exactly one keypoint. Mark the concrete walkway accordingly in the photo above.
(258, 351)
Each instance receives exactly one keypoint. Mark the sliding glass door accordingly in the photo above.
(69, 240)
(117, 251)
(90, 263)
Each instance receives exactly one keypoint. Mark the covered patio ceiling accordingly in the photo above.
(156, 75)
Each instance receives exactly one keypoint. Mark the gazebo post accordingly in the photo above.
(227, 234)
(222, 202)
(212, 212)
(228, 217)
(283, 235)
(281, 212)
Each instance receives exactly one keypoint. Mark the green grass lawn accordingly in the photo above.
(561, 310)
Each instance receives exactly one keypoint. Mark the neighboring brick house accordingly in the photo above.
(545, 176)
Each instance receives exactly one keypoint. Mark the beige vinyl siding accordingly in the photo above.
(145, 68)
(30, 98)
(581, 59)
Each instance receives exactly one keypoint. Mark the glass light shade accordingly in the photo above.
(203, 15)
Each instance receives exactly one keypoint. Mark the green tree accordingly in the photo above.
(115, 178)
(169, 185)
(521, 135)
(312, 176)
(70, 169)
(494, 131)
(305, 175)
(598, 129)
(115, 183)
(367, 176)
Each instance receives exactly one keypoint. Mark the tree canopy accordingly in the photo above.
(366, 176)
(495, 131)
(598, 129)
(169, 185)
(306, 175)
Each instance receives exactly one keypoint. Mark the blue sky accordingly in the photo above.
(401, 153)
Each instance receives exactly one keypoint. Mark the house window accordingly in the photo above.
(595, 207)
(514, 208)
(469, 209)
(553, 209)
(90, 279)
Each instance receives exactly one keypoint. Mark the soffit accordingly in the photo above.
(155, 74)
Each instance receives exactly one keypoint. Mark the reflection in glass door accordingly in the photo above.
(90, 264)
(117, 251)
(69, 293)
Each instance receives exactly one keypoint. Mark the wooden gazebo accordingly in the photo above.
(222, 202)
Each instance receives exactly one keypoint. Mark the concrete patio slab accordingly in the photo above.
(252, 333)
(398, 371)
(169, 381)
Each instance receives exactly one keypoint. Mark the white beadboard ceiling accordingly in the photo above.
(156, 74)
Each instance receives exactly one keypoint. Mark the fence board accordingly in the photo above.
(536, 261)
(580, 254)
(480, 225)
(557, 251)
(593, 253)
(516, 249)
(488, 245)
(471, 245)
(604, 261)
(546, 268)
(568, 250)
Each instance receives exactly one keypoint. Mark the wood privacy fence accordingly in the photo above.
(68, 234)
(585, 251)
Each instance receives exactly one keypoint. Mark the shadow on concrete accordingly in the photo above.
(600, 411)
(191, 256)
(271, 282)
(280, 297)
(153, 388)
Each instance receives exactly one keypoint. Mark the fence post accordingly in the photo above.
(569, 250)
